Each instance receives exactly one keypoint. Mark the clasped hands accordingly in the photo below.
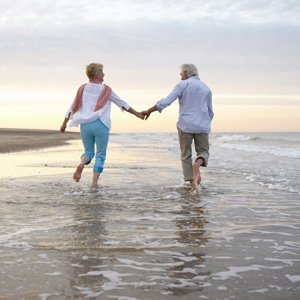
(143, 115)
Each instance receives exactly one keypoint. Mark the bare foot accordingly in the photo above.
(95, 186)
(78, 172)
(197, 175)
(193, 185)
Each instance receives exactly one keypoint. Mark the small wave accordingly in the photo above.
(293, 278)
(267, 181)
(235, 271)
(272, 183)
(282, 152)
(15, 244)
(237, 137)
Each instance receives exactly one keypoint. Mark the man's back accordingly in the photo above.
(195, 106)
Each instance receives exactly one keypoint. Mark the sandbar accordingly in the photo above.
(14, 140)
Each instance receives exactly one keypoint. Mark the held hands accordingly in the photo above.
(146, 114)
(140, 115)
(149, 111)
(143, 115)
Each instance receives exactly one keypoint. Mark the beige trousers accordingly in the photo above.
(201, 142)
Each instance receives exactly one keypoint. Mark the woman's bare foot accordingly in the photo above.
(94, 188)
(95, 185)
(197, 176)
(78, 172)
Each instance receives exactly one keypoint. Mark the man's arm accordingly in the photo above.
(163, 103)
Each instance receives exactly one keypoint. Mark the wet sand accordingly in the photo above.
(143, 235)
(12, 140)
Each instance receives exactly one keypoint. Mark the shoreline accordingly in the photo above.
(19, 139)
(16, 140)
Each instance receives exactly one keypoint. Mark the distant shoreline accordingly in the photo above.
(19, 139)
(16, 140)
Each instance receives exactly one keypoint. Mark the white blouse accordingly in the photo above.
(86, 113)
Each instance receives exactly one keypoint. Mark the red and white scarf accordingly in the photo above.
(102, 99)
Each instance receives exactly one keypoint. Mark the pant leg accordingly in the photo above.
(201, 141)
(185, 142)
(101, 133)
(88, 141)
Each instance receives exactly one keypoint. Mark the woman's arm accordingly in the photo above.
(124, 105)
(64, 124)
(134, 112)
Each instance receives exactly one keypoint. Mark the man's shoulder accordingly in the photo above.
(204, 85)
(198, 84)
(183, 83)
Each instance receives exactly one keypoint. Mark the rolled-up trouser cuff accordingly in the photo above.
(98, 169)
(88, 156)
(205, 157)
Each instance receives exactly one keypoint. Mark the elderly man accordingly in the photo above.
(194, 122)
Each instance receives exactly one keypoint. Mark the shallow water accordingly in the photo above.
(143, 235)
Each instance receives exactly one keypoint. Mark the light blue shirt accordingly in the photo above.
(195, 105)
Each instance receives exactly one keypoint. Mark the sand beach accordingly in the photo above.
(143, 235)
(13, 140)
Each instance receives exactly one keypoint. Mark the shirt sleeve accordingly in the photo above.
(118, 101)
(69, 113)
(210, 108)
(175, 93)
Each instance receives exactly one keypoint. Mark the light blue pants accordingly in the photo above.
(95, 133)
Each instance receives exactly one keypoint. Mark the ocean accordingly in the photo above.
(143, 235)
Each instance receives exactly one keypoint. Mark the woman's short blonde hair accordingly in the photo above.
(190, 69)
(93, 70)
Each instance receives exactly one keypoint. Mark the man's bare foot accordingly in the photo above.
(193, 185)
(197, 175)
(78, 172)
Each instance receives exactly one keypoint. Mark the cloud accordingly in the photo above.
(34, 13)
(238, 45)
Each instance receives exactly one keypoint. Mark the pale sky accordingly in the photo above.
(247, 51)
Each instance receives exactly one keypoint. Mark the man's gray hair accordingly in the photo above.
(190, 69)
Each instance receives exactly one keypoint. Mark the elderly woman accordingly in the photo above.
(91, 110)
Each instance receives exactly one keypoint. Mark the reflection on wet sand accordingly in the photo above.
(90, 231)
(188, 267)
(191, 221)
(89, 235)
(109, 262)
